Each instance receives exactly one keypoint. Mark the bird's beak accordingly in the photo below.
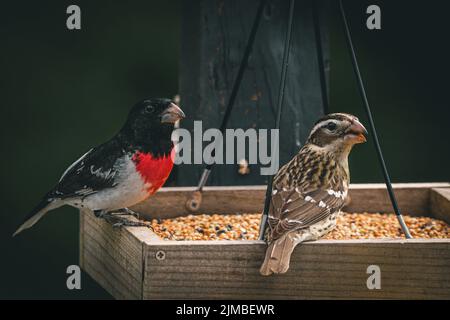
(357, 132)
(172, 114)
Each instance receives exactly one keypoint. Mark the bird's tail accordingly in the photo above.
(37, 213)
(278, 256)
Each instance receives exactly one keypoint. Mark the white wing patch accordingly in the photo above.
(102, 174)
(337, 194)
(74, 164)
(85, 191)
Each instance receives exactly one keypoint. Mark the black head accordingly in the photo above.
(154, 113)
(151, 121)
(337, 130)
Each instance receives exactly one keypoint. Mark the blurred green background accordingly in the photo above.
(64, 91)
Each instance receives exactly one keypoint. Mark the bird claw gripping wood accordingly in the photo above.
(194, 202)
(124, 222)
(114, 218)
(126, 211)
(119, 212)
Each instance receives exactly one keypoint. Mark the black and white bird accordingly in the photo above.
(310, 190)
(122, 172)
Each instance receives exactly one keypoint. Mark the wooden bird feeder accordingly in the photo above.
(134, 263)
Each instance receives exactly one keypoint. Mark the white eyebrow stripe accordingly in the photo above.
(321, 124)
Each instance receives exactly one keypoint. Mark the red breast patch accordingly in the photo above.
(153, 170)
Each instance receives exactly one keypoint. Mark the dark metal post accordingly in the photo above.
(284, 66)
(319, 50)
(193, 204)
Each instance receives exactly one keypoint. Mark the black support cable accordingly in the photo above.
(371, 122)
(281, 90)
(236, 84)
(319, 51)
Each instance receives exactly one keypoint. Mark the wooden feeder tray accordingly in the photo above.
(134, 263)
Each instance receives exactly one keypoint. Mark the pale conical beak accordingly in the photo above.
(172, 114)
(358, 130)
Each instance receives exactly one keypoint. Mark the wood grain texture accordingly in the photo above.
(440, 203)
(170, 202)
(113, 257)
(413, 199)
(410, 269)
(213, 40)
(124, 262)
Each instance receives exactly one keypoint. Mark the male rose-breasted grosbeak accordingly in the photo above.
(124, 171)
(310, 190)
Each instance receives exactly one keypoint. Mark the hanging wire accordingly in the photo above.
(371, 122)
(282, 87)
(319, 51)
(236, 86)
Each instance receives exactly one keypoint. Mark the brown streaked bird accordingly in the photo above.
(310, 190)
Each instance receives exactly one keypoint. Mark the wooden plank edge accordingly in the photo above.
(365, 198)
(412, 185)
(81, 240)
(141, 234)
(160, 242)
(440, 203)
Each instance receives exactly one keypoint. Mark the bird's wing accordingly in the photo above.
(94, 171)
(293, 209)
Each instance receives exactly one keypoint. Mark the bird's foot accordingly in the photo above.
(115, 219)
(100, 213)
(123, 211)
(124, 222)
(126, 212)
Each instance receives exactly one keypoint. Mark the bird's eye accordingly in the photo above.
(149, 109)
(331, 126)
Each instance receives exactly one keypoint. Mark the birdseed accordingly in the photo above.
(377, 225)
(246, 227)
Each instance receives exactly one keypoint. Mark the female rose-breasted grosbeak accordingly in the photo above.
(126, 170)
(310, 190)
